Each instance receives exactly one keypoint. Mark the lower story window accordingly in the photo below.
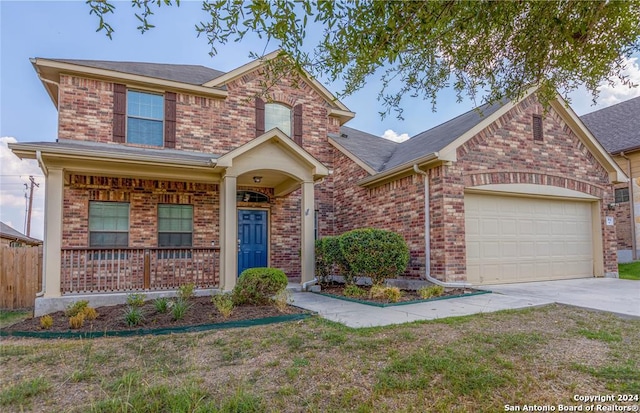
(109, 224)
(175, 225)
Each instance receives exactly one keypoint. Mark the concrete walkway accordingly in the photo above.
(618, 296)
(621, 297)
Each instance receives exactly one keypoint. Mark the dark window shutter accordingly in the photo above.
(297, 124)
(259, 117)
(537, 128)
(169, 120)
(119, 112)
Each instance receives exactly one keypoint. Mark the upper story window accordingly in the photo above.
(145, 118)
(108, 224)
(277, 116)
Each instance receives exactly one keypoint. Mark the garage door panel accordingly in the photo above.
(511, 239)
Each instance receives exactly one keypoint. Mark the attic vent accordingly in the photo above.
(537, 128)
(344, 135)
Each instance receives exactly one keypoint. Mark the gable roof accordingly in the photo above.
(373, 150)
(385, 160)
(7, 232)
(191, 74)
(617, 127)
(337, 108)
(382, 155)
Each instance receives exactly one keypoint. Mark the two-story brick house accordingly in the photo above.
(166, 174)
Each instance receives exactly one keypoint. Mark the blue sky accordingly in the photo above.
(56, 29)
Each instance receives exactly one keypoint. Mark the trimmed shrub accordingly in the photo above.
(185, 291)
(258, 285)
(373, 253)
(90, 313)
(323, 263)
(76, 308)
(223, 303)
(431, 291)
(354, 291)
(391, 294)
(46, 322)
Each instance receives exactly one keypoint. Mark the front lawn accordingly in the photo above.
(630, 271)
(478, 363)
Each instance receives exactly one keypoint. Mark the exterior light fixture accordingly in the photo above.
(257, 179)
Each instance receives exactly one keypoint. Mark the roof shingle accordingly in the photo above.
(617, 127)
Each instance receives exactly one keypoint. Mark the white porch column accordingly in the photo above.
(308, 240)
(228, 233)
(54, 193)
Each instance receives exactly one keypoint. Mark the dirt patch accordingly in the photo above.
(112, 318)
(337, 289)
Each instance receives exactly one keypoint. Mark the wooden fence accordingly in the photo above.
(20, 276)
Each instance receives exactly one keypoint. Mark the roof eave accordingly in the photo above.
(616, 175)
(49, 72)
(29, 150)
(430, 160)
(255, 64)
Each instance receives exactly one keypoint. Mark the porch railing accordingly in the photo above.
(92, 270)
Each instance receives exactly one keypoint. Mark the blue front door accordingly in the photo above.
(252, 239)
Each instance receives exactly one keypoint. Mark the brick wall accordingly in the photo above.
(503, 153)
(143, 196)
(204, 125)
(623, 223)
(396, 206)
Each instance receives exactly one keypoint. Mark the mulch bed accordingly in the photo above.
(337, 289)
(111, 318)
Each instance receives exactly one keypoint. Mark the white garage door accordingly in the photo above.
(512, 239)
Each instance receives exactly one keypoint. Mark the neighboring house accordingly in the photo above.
(617, 128)
(10, 237)
(166, 174)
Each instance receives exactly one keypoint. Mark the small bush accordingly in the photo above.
(76, 308)
(76, 321)
(431, 291)
(223, 303)
(136, 300)
(354, 291)
(373, 253)
(391, 294)
(161, 304)
(133, 316)
(323, 262)
(282, 300)
(46, 322)
(90, 313)
(185, 291)
(257, 285)
(179, 309)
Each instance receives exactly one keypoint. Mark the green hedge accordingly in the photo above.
(259, 285)
(366, 252)
(374, 253)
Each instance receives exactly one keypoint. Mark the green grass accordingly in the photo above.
(22, 393)
(476, 363)
(8, 317)
(630, 271)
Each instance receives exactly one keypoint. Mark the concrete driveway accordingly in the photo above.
(621, 297)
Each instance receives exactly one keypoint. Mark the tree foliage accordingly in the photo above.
(487, 49)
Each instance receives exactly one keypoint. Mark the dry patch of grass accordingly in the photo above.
(478, 363)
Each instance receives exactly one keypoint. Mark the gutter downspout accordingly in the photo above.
(634, 241)
(427, 236)
(44, 260)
